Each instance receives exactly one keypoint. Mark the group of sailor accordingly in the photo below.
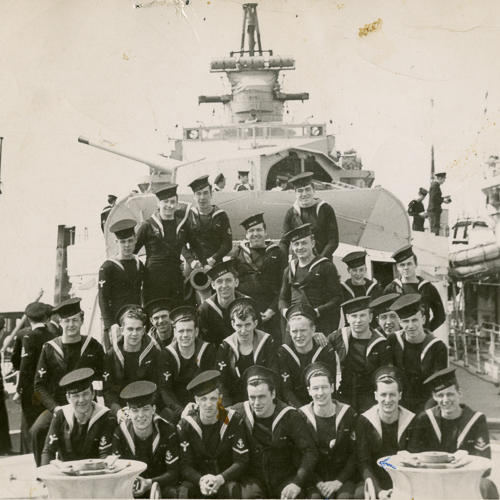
(240, 397)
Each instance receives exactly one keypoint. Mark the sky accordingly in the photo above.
(105, 70)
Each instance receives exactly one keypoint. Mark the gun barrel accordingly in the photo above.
(166, 165)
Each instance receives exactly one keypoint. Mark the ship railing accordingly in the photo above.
(477, 346)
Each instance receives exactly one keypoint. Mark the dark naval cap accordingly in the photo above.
(125, 309)
(301, 310)
(282, 178)
(68, 308)
(199, 183)
(299, 232)
(220, 269)
(166, 192)
(355, 259)
(252, 221)
(36, 310)
(441, 379)
(246, 301)
(301, 180)
(220, 177)
(355, 305)
(77, 380)
(423, 191)
(139, 394)
(183, 313)
(383, 303)
(403, 253)
(243, 172)
(388, 374)
(407, 305)
(204, 383)
(317, 369)
(156, 305)
(260, 373)
(123, 229)
(441, 174)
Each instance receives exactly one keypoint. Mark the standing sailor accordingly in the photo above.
(358, 285)
(243, 183)
(409, 282)
(436, 199)
(260, 265)
(209, 232)
(120, 277)
(107, 209)
(417, 211)
(318, 213)
(164, 236)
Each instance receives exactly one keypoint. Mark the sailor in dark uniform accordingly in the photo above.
(409, 282)
(182, 360)
(107, 209)
(246, 347)
(417, 211)
(310, 210)
(282, 451)
(120, 277)
(243, 184)
(214, 454)
(134, 357)
(219, 183)
(311, 279)
(383, 430)
(209, 232)
(361, 351)
(358, 285)
(388, 321)
(148, 438)
(59, 357)
(436, 199)
(293, 358)
(32, 344)
(81, 429)
(214, 320)
(53, 321)
(158, 312)
(415, 351)
(5, 442)
(333, 426)
(260, 265)
(451, 426)
(281, 183)
(164, 236)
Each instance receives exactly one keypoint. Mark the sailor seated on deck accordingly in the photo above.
(452, 426)
(148, 438)
(81, 429)
(383, 430)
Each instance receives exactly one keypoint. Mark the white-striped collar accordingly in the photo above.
(404, 419)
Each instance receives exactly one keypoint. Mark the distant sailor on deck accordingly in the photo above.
(243, 183)
(436, 199)
(120, 277)
(417, 211)
(281, 183)
(209, 232)
(107, 209)
(318, 213)
(219, 183)
(409, 282)
(81, 429)
(164, 236)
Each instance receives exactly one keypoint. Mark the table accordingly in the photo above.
(421, 484)
(118, 485)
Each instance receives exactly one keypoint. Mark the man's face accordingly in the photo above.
(388, 397)
(360, 321)
(261, 400)
(72, 326)
(142, 416)
(389, 322)
(257, 235)
(407, 268)
(133, 330)
(203, 197)
(222, 183)
(81, 402)
(303, 248)
(414, 328)
(208, 404)
(185, 333)
(244, 327)
(301, 331)
(357, 273)
(321, 390)
(305, 196)
(167, 207)
(126, 246)
(225, 286)
(441, 179)
(161, 321)
(448, 400)
(243, 179)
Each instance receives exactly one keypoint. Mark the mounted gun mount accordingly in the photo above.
(255, 91)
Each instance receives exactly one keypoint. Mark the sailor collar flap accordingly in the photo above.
(316, 261)
(259, 339)
(57, 346)
(127, 429)
(69, 414)
(195, 423)
(200, 347)
(294, 356)
(245, 246)
(180, 218)
(319, 204)
(375, 339)
(340, 411)
(211, 302)
(405, 418)
(147, 344)
(117, 262)
(427, 343)
(280, 411)
(215, 211)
